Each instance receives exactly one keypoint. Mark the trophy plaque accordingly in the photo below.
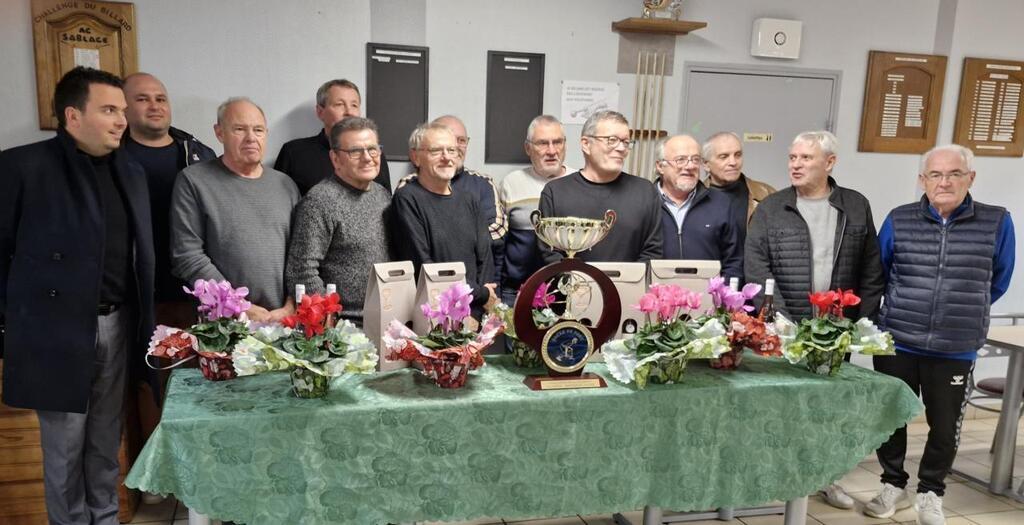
(566, 344)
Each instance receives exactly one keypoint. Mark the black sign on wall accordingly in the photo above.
(396, 93)
(515, 95)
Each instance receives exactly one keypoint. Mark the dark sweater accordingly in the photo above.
(430, 228)
(117, 246)
(739, 194)
(307, 161)
(636, 235)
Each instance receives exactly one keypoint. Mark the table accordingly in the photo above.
(394, 448)
(1011, 339)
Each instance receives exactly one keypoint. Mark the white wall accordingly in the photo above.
(279, 52)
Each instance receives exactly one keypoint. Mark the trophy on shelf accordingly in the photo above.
(567, 343)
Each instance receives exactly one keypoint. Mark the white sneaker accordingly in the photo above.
(837, 497)
(889, 500)
(929, 509)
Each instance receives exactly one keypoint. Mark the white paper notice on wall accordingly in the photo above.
(582, 99)
(87, 57)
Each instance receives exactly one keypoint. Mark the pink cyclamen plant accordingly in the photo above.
(218, 300)
(453, 306)
(668, 301)
(543, 298)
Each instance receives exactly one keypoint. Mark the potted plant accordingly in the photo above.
(661, 348)
(731, 308)
(308, 346)
(449, 350)
(824, 340)
(543, 316)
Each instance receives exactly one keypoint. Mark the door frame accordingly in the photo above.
(835, 75)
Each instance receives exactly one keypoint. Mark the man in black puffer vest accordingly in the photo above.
(815, 236)
(947, 258)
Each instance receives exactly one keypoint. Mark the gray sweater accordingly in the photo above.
(224, 226)
(338, 234)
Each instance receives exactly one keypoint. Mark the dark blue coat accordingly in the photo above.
(709, 232)
(51, 252)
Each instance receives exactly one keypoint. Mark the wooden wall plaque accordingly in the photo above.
(989, 116)
(69, 33)
(902, 99)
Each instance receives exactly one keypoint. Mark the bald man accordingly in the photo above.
(696, 223)
(163, 151)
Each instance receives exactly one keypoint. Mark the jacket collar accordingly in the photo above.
(964, 211)
(835, 198)
(700, 192)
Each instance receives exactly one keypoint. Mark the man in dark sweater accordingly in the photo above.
(602, 185)
(163, 151)
(697, 223)
(338, 232)
(307, 160)
(433, 223)
(723, 160)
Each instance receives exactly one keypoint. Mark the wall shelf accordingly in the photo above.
(657, 26)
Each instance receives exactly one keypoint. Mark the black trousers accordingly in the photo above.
(942, 385)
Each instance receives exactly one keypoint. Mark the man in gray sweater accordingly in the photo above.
(231, 216)
(339, 229)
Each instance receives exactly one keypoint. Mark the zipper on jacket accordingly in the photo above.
(679, 236)
(188, 161)
(839, 246)
(938, 284)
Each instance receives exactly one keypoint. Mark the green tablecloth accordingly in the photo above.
(395, 448)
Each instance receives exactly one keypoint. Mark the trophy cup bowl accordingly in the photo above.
(572, 235)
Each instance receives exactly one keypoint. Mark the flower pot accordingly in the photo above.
(730, 360)
(825, 363)
(216, 368)
(309, 385)
(446, 373)
(525, 355)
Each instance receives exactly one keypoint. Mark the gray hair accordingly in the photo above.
(660, 145)
(965, 153)
(418, 134)
(542, 119)
(590, 126)
(824, 139)
(223, 108)
(321, 94)
(351, 124)
(707, 150)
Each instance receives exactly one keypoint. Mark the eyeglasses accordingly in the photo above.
(955, 176)
(545, 144)
(681, 162)
(357, 153)
(613, 141)
(436, 152)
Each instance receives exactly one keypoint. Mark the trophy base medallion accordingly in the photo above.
(585, 380)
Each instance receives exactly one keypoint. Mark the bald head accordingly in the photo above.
(459, 130)
(149, 109)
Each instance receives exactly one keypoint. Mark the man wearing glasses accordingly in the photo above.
(306, 160)
(231, 216)
(432, 223)
(602, 185)
(339, 232)
(947, 258)
(697, 223)
(479, 185)
(519, 194)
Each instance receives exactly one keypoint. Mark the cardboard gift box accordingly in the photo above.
(434, 279)
(390, 295)
(630, 280)
(689, 274)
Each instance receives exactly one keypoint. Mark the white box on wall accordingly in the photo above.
(775, 38)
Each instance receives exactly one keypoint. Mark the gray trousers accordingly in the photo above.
(80, 466)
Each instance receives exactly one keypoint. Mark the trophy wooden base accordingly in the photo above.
(585, 380)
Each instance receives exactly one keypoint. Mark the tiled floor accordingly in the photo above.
(964, 504)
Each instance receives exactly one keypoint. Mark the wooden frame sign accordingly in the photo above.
(70, 33)
(989, 115)
(902, 99)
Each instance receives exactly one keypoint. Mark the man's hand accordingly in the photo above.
(258, 314)
(492, 297)
(282, 312)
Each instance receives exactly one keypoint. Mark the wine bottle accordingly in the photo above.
(767, 312)
(329, 289)
(734, 284)
(300, 291)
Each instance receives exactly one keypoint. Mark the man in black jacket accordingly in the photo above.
(76, 286)
(163, 151)
(815, 236)
(307, 161)
(696, 223)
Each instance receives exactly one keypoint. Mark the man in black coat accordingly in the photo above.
(76, 288)
(696, 223)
